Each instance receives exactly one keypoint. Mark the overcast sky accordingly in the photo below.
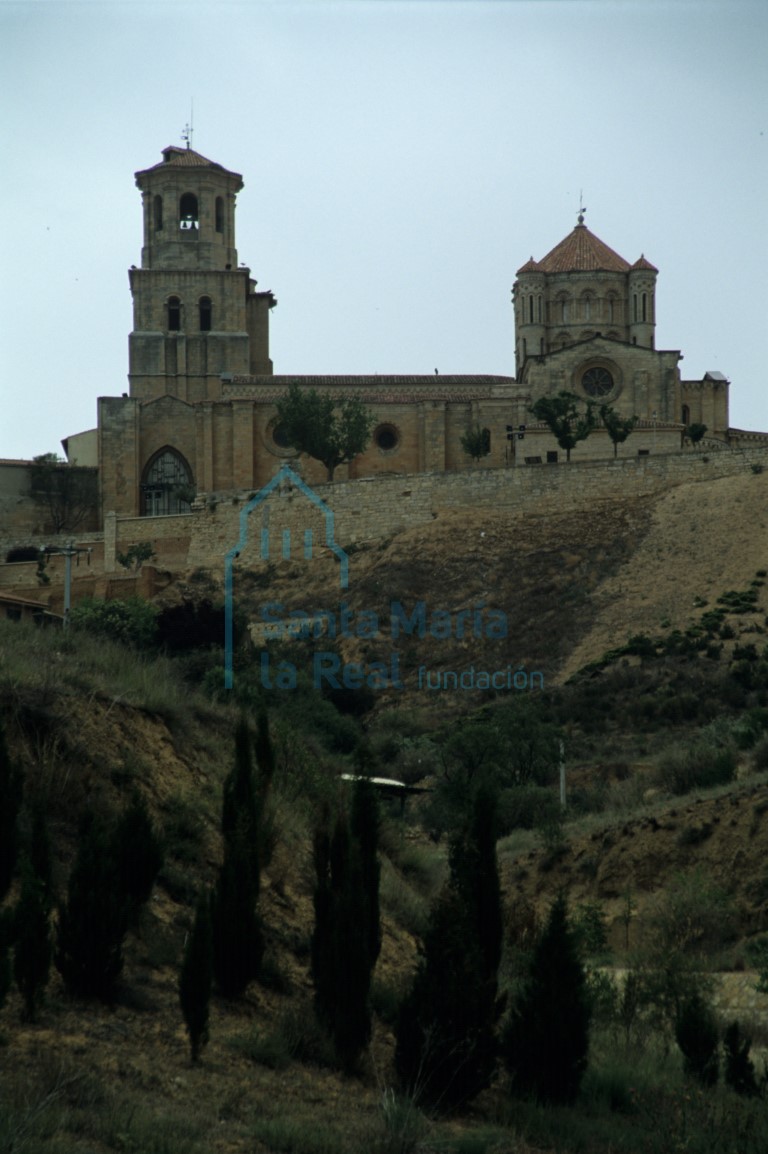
(401, 158)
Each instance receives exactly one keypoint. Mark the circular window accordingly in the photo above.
(386, 438)
(280, 438)
(597, 382)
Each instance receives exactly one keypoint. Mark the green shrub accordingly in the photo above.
(131, 622)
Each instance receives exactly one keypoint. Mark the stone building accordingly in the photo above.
(199, 415)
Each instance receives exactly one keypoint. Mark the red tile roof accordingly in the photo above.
(530, 266)
(582, 251)
(178, 157)
(643, 263)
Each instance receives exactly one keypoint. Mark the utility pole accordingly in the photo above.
(68, 551)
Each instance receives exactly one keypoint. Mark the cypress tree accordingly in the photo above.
(195, 977)
(546, 1039)
(6, 934)
(10, 804)
(32, 934)
(92, 921)
(238, 944)
(240, 810)
(365, 835)
(739, 1070)
(38, 848)
(445, 1052)
(139, 855)
(342, 942)
(696, 1034)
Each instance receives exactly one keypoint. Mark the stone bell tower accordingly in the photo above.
(196, 315)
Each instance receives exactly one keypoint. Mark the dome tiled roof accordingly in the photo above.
(582, 251)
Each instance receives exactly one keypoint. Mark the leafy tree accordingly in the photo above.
(68, 493)
(476, 442)
(240, 808)
(135, 556)
(196, 976)
(332, 430)
(566, 419)
(92, 921)
(11, 783)
(694, 433)
(445, 1052)
(131, 621)
(739, 1072)
(32, 934)
(545, 1042)
(344, 938)
(618, 428)
(697, 1036)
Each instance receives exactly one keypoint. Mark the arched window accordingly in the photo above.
(686, 415)
(611, 308)
(189, 217)
(174, 315)
(634, 301)
(167, 486)
(645, 305)
(206, 313)
(564, 310)
(530, 309)
(219, 213)
(539, 308)
(587, 307)
(158, 213)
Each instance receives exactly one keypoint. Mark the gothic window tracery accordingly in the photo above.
(167, 486)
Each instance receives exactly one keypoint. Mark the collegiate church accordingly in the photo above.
(199, 416)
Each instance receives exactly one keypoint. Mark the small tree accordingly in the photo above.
(697, 1036)
(196, 975)
(566, 419)
(694, 433)
(332, 430)
(11, 783)
(739, 1072)
(68, 493)
(618, 428)
(546, 1040)
(32, 952)
(476, 442)
(135, 556)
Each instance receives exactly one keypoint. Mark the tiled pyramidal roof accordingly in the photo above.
(582, 251)
(177, 157)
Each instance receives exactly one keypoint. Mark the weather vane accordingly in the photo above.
(582, 206)
(189, 127)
